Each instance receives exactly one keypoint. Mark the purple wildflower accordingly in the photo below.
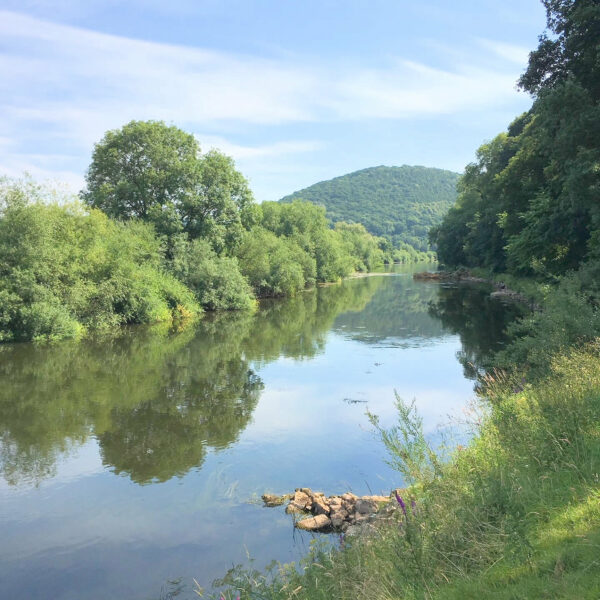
(400, 502)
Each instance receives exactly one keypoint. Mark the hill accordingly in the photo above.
(400, 203)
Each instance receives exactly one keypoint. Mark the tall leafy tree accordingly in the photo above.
(531, 203)
(155, 172)
(570, 49)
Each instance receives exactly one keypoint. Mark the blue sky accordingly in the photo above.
(297, 91)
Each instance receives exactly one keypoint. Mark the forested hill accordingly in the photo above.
(400, 203)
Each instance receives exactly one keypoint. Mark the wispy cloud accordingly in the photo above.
(247, 153)
(510, 52)
(62, 87)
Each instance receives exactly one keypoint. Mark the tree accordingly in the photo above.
(155, 172)
(573, 51)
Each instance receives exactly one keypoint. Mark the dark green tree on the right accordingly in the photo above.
(531, 202)
(572, 53)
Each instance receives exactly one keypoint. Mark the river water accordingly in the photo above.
(133, 460)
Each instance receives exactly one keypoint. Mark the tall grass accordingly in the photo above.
(516, 514)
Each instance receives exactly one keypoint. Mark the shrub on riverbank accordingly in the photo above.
(570, 317)
(64, 270)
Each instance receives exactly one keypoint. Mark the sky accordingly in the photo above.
(296, 91)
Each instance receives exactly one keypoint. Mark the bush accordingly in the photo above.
(64, 270)
(216, 280)
(274, 266)
(570, 317)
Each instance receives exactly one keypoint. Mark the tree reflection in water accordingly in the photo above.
(156, 399)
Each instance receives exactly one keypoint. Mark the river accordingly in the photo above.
(137, 459)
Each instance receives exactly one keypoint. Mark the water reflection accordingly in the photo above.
(199, 421)
(397, 316)
(479, 320)
(154, 398)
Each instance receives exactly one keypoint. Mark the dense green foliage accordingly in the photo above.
(570, 317)
(64, 270)
(293, 247)
(179, 232)
(529, 204)
(150, 171)
(216, 280)
(398, 203)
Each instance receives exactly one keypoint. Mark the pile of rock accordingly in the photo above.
(459, 275)
(330, 513)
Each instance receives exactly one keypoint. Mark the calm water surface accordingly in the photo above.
(129, 461)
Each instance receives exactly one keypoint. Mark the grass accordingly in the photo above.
(515, 515)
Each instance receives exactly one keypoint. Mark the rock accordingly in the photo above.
(301, 498)
(377, 498)
(387, 510)
(429, 276)
(364, 506)
(320, 506)
(314, 523)
(335, 513)
(348, 502)
(275, 500)
(338, 517)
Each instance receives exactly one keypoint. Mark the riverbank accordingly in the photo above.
(516, 514)
(505, 286)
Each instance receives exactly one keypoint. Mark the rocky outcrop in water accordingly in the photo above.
(330, 513)
(459, 275)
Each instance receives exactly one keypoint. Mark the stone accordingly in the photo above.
(314, 523)
(348, 502)
(338, 517)
(274, 500)
(348, 506)
(365, 507)
(377, 498)
(301, 498)
(292, 508)
(319, 506)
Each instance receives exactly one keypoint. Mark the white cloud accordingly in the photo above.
(515, 54)
(239, 152)
(62, 87)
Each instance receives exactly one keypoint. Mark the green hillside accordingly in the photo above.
(400, 203)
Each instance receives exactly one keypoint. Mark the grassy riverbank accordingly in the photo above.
(516, 514)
